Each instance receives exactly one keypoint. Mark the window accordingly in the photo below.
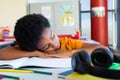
(86, 24)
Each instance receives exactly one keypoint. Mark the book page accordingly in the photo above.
(48, 62)
(12, 63)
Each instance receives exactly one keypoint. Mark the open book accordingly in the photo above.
(36, 62)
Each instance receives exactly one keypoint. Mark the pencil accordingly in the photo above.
(38, 72)
(11, 77)
(42, 72)
(18, 71)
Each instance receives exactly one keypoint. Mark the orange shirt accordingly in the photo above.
(70, 44)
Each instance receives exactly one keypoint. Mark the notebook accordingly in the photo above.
(71, 75)
(36, 62)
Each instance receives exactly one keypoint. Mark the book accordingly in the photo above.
(36, 62)
(77, 76)
(65, 73)
(71, 75)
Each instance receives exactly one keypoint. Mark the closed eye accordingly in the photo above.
(46, 47)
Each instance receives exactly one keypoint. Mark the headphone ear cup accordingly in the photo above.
(78, 59)
(102, 57)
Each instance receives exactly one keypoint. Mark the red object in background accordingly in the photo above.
(99, 21)
(2, 40)
(5, 33)
(76, 36)
(10, 38)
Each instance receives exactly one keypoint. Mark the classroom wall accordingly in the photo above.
(36, 1)
(10, 11)
(61, 22)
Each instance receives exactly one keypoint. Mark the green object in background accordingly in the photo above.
(115, 66)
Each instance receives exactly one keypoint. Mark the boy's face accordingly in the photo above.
(49, 41)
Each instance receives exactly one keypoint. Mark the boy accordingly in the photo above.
(35, 38)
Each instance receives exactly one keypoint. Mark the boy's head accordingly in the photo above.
(31, 32)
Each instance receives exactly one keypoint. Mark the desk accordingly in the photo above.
(32, 76)
(5, 44)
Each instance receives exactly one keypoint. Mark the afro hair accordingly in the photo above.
(28, 30)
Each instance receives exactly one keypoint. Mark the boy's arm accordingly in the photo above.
(68, 53)
(13, 53)
(89, 47)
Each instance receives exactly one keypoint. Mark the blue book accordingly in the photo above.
(65, 73)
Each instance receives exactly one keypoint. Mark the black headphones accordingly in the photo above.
(96, 64)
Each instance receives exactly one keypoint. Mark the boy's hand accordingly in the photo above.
(42, 54)
(60, 53)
